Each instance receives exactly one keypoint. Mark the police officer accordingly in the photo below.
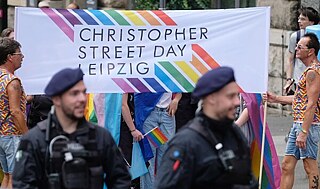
(210, 151)
(66, 151)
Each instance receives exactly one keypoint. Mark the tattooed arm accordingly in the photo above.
(14, 93)
(313, 92)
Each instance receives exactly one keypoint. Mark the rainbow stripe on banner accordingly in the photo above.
(66, 19)
(173, 76)
(156, 137)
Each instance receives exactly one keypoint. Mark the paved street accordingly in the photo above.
(279, 126)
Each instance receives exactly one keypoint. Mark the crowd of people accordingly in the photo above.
(45, 141)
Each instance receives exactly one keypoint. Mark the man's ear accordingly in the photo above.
(212, 98)
(9, 56)
(56, 100)
(310, 51)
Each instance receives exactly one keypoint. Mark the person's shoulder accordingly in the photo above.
(294, 33)
(100, 131)
(11, 79)
(102, 135)
(14, 82)
(34, 134)
(238, 130)
(185, 130)
(299, 33)
(38, 129)
(42, 99)
(312, 73)
(293, 36)
(186, 136)
(96, 127)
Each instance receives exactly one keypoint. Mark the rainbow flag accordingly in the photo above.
(271, 173)
(90, 113)
(156, 137)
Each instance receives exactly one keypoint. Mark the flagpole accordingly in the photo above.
(150, 131)
(262, 143)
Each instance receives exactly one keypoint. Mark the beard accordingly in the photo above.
(226, 116)
(69, 113)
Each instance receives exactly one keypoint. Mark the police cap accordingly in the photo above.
(63, 81)
(213, 81)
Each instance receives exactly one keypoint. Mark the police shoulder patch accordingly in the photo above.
(176, 153)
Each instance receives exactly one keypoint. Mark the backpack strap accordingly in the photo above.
(297, 40)
(223, 154)
(298, 36)
(210, 137)
(205, 133)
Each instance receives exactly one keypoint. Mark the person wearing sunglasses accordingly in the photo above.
(12, 105)
(304, 135)
(307, 16)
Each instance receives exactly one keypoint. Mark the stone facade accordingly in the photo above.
(283, 13)
(312, 3)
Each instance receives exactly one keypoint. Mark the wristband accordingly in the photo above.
(304, 131)
(133, 130)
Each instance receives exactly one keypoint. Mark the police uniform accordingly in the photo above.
(207, 153)
(87, 158)
(30, 168)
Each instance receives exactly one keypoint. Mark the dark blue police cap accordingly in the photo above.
(213, 81)
(63, 80)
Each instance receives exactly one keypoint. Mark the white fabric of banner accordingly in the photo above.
(143, 51)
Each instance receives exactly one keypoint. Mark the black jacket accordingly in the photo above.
(30, 165)
(39, 109)
(191, 162)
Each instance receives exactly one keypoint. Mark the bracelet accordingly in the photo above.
(133, 130)
(304, 131)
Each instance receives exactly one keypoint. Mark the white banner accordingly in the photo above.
(143, 51)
